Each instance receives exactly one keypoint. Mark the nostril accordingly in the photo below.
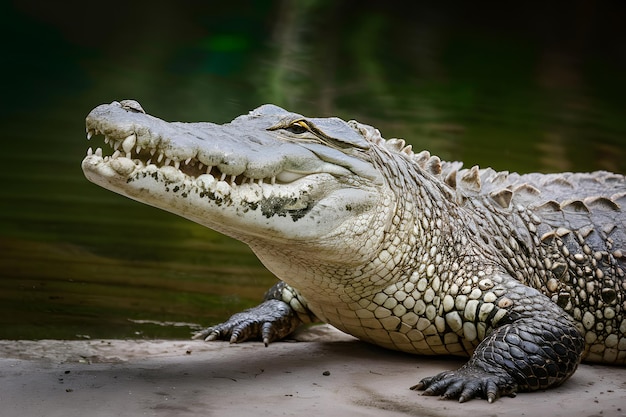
(132, 105)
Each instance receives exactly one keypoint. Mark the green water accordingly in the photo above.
(519, 90)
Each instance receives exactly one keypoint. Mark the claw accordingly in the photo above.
(269, 321)
(453, 390)
(266, 334)
(466, 384)
(492, 391)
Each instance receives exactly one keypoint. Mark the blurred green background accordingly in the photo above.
(523, 86)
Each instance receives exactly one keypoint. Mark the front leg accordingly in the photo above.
(281, 312)
(535, 346)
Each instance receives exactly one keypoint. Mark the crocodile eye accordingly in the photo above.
(298, 127)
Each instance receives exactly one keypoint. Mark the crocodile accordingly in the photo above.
(521, 274)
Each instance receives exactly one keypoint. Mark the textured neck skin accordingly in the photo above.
(417, 251)
(364, 256)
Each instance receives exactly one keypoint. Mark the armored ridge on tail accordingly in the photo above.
(522, 273)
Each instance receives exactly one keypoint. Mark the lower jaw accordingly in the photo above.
(253, 207)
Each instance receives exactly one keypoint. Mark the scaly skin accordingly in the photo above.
(523, 274)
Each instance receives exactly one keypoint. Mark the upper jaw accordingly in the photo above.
(225, 151)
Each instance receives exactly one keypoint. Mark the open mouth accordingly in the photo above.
(129, 156)
(238, 179)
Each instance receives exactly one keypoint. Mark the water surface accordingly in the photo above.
(516, 90)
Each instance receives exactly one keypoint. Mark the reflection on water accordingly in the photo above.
(515, 91)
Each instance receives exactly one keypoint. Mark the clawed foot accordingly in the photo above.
(270, 321)
(467, 383)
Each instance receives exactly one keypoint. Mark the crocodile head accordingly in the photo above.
(267, 178)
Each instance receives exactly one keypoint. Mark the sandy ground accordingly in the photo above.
(324, 373)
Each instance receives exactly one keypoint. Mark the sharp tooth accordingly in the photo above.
(223, 177)
(160, 158)
(138, 149)
(205, 181)
(106, 159)
(116, 145)
(89, 151)
(208, 169)
(129, 143)
(115, 154)
(188, 160)
(89, 134)
(260, 181)
(152, 151)
(106, 140)
(167, 161)
(177, 164)
(99, 152)
(123, 166)
(148, 162)
(200, 165)
(232, 179)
